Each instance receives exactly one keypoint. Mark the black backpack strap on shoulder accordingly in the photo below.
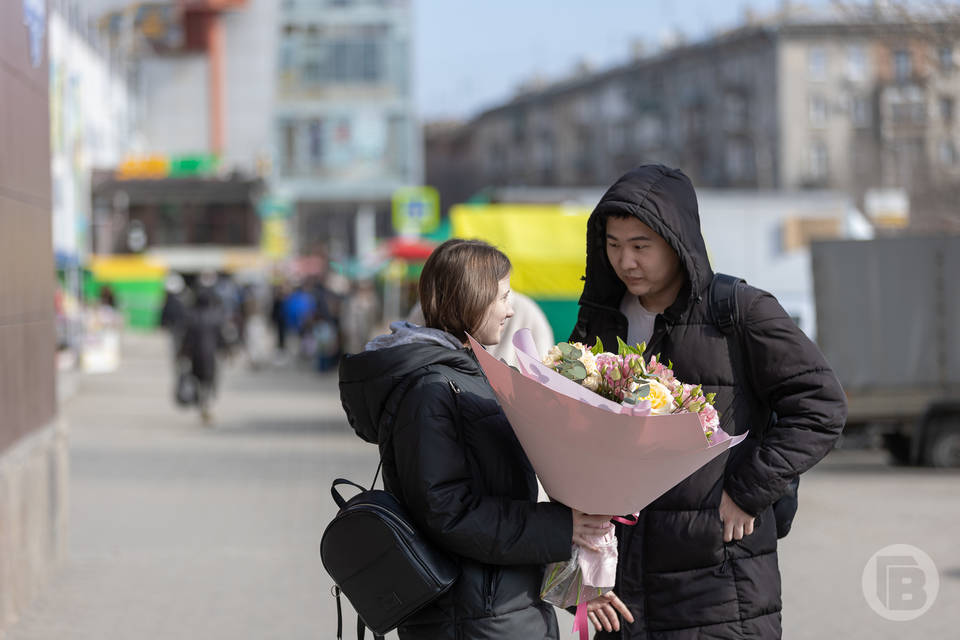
(724, 307)
(725, 312)
(400, 393)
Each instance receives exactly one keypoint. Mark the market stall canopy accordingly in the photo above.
(546, 243)
(410, 249)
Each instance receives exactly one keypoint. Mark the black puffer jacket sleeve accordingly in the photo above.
(438, 488)
(792, 376)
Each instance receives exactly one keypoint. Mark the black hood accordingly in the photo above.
(367, 379)
(664, 200)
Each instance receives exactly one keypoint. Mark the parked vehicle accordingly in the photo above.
(888, 320)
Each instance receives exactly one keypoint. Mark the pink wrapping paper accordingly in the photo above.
(590, 453)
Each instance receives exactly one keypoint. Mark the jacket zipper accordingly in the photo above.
(489, 574)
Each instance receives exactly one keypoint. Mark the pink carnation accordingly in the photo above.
(709, 418)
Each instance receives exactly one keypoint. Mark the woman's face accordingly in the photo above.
(495, 317)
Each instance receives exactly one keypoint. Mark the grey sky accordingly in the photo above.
(470, 54)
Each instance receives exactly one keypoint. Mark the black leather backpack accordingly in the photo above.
(378, 559)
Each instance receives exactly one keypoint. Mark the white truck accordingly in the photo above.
(888, 321)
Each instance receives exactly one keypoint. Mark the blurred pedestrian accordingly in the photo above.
(358, 316)
(256, 333)
(201, 339)
(278, 317)
(173, 315)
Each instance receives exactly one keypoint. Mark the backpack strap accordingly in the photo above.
(724, 307)
(336, 494)
(725, 312)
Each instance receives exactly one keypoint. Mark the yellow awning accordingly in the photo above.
(126, 267)
(547, 244)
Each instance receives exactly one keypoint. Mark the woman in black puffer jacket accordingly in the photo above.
(451, 457)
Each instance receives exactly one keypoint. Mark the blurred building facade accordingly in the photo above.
(345, 133)
(33, 445)
(851, 101)
(94, 122)
(299, 111)
(202, 72)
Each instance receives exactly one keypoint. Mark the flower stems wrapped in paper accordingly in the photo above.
(605, 433)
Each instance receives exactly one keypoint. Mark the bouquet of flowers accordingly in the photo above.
(650, 388)
(645, 389)
(605, 433)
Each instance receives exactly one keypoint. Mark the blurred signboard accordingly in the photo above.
(416, 210)
(275, 231)
(887, 207)
(159, 166)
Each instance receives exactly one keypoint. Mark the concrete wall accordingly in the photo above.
(250, 70)
(176, 98)
(33, 457)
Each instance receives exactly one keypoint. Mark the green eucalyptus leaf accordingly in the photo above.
(569, 351)
(578, 372)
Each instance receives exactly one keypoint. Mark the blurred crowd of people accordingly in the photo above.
(310, 321)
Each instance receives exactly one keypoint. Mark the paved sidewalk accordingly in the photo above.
(183, 532)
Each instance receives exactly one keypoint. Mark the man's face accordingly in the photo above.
(644, 262)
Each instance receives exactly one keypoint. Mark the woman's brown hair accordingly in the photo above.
(459, 282)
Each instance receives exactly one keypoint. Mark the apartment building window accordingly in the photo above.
(907, 106)
(948, 153)
(316, 147)
(735, 111)
(857, 63)
(618, 134)
(902, 65)
(288, 152)
(946, 109)
(355, 55)
(945, 58)
(739, 160)
(817, 63)
(818, 111)
(860, 111)
(818, 160)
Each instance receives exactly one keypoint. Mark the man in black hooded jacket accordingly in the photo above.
(702, 560)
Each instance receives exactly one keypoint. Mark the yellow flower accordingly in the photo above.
(661, 400)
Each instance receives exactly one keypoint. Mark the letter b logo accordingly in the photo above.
(900, 582)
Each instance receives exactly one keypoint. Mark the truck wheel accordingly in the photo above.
(943, 443)
(898, 446)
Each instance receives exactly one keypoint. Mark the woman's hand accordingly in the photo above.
(737, 523)
(602, 612)
(587, 528)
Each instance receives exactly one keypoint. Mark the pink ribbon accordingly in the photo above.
(580, 621)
